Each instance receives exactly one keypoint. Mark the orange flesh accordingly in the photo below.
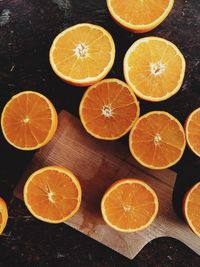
(3, 215)
(130, 206)
(193, 132)
(27, 120)
(91, 45)
(52, 195)
(163, 60)
(109, 109)
(193, 209)
(157, 140)
(139, 12)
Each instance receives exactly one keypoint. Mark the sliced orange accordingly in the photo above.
(28, 120)
(192, 130)
(82, 54)
(139, 15)
(52, 194)
(157, 140)
(3, 215)
(154, 68)
(191, 208)
(109, 109)
(129, 205)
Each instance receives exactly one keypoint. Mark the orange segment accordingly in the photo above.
(52, 194)
(82, 54)
(192, 130)
(191, 208)
(157, 140)
(29, 120)
(139, 16)
(109, 109)
(129, 205)
(154, 68)
(3, 215)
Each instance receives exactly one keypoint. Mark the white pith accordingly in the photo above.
(107, 111)
(81, 50)
(26, 119)
(50, 195)
(157, 68)
(157, 139)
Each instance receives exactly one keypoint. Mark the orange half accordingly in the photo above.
(191, 208)
(82, 54)
(192, 131)
(157, 140)
(129, 205)
(154, 68)
(109, 109)
(52, 194)
(29, 120)
(3, 215)
(139, 15)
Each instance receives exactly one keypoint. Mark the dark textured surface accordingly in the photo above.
(27, 29)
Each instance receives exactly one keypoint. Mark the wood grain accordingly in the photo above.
(98, 164)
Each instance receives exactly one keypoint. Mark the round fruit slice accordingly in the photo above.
(129, 205)
(52, 194)
(154, 68)
(139, 16)
(82, 54)
(29, 120)
(109, 109)
(191, 208)
(192, 130)
(3, 215)
(157, 140)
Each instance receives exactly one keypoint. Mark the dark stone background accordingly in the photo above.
(27, 29)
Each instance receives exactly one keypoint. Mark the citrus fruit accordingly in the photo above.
(129, 205)
(191, 208)
(154, 68)
(109, 109)
(139, 15)
(82, 54)
(157, 140)
(3, 215)
(52, 194)
(28, 120)
(192, 131)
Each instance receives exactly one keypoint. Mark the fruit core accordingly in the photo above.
(128, 208)
(50, 196)
(157, 139)
(26, 119)
(157, 68)
(81, 50)
(107, 111)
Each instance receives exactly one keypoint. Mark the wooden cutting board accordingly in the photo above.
(98, 164)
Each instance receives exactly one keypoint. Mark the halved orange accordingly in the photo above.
(29, 120)
(191, 208)
(154, 68)
(3, 215)
(52, 194)
(192, 131)
(82, 54)
(109, 109)
(157, 140)
(129, 205)
(139, 15)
